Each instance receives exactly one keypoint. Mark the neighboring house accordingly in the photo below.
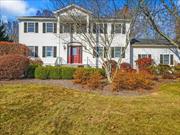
(56, 40)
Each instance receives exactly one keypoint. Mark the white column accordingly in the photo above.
(87, 23)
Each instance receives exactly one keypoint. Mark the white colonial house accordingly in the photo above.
(56, 40)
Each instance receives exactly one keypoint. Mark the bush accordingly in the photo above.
(37, 61)
(30, 73)
(67, 72)
(144, 64)
(55, 72)
(13, 66)
(82, 75)
(177, 71)
(112, 63)
(42, 72)
(94, 80)
(13, 48)
(131, 81)
(125, 67)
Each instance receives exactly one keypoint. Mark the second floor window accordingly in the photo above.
(31, 27)
(101, 28)
(66, 28)
(49, 27)
(118, 28)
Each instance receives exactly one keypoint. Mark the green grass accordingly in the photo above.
(48, 110)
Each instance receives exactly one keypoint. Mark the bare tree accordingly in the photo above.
(95, 34)
(162, 16)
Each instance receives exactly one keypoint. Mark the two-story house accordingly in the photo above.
(62, 40)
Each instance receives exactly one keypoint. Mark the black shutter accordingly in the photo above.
(25, 27)
(112, 52)
(105, 28)
(124, 29)
(44, 28)
(43, 51)
(112, 28)
(36, 51)
(171, 60)
(36, 27)
(55, 51)
(139, 56)
(161, 59)
(61, 28)
(55, 27)
(123, 52)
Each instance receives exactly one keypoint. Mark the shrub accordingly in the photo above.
(13, 48)
(111, 63)
(125, 67)
(177, 71)
(67, 72)
(13, 66)
(54, 73)
(144, 64)
(30, 73)
(36, 61)
(94, 80)
(82, 75)
(42, 72)
(131, 81)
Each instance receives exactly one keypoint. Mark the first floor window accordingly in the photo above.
(144, 56)
(49, 51)
(117, 52)
(33, 51)
(166, 59)
(97, 51)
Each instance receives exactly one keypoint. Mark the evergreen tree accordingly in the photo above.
(3, 35)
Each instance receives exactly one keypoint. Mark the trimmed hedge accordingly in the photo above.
(55, 72)
(42, 73)
(67, 72)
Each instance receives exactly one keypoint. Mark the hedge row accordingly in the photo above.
(54, 72)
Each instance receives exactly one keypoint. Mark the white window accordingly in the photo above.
(166, 59)
(49, 27)
(31, 27)
(49, 51)
(98, 51)
(117, 28)
(102, 28)
(66, 28)
(81, 28)
(117, 52)
(144, 56)
(33, 51)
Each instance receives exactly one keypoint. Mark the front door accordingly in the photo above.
(75, 54)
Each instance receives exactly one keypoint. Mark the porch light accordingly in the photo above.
(64, 46)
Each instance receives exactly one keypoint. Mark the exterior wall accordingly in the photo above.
(155, 53)
(41, 39)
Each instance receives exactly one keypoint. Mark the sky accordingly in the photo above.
(11, 9)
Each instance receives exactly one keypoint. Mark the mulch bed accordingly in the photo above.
(105, 91)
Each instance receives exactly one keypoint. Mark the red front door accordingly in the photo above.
(75, 54)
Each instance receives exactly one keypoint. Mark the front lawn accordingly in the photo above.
(50, 110)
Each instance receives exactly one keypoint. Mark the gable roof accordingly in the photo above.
(71, 7)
